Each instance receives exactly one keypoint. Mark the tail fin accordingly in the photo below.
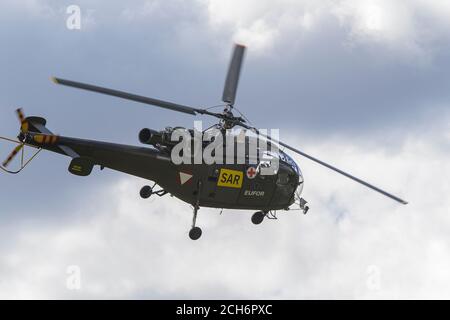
(37, 124)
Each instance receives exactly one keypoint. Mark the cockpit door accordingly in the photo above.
(258, 184)
(223, 184)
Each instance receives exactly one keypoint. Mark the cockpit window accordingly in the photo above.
(283, 178)
(267, 166)
(286, 158)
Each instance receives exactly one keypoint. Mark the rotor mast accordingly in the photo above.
(231, 84)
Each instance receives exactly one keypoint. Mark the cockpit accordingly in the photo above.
(272, 162)
(286, 158)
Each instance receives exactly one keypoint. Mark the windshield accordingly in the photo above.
(286, 158)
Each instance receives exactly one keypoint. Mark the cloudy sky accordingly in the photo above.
(361, 84)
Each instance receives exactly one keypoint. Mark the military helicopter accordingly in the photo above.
(230, 185)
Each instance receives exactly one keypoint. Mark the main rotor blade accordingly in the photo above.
(128, 96)
(387, 194)
(371, 186)
(234, 70)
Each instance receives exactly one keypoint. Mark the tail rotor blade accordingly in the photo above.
(20, 115)
(12, 155)
(234, 70)
(22, 119)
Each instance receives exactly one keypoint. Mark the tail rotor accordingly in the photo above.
(23, 121)
(24, 127)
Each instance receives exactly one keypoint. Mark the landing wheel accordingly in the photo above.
(146, 192)
(258, 217)
(195, 233)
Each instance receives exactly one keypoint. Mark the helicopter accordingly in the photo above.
(251, 181)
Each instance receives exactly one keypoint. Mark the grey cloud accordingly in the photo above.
(317, 85)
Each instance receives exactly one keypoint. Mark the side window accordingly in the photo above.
(266, 164)
(283, 178)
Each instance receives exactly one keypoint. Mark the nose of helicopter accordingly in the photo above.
(300, 181)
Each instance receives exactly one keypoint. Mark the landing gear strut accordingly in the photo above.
(195, 233)
(147, 191)
(303, 206)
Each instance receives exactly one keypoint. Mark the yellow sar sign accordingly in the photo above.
(230, 178)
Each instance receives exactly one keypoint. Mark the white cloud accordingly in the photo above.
(260, 24)
(41, 9)
(382, 20)
(395, 26)
(400, 28)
